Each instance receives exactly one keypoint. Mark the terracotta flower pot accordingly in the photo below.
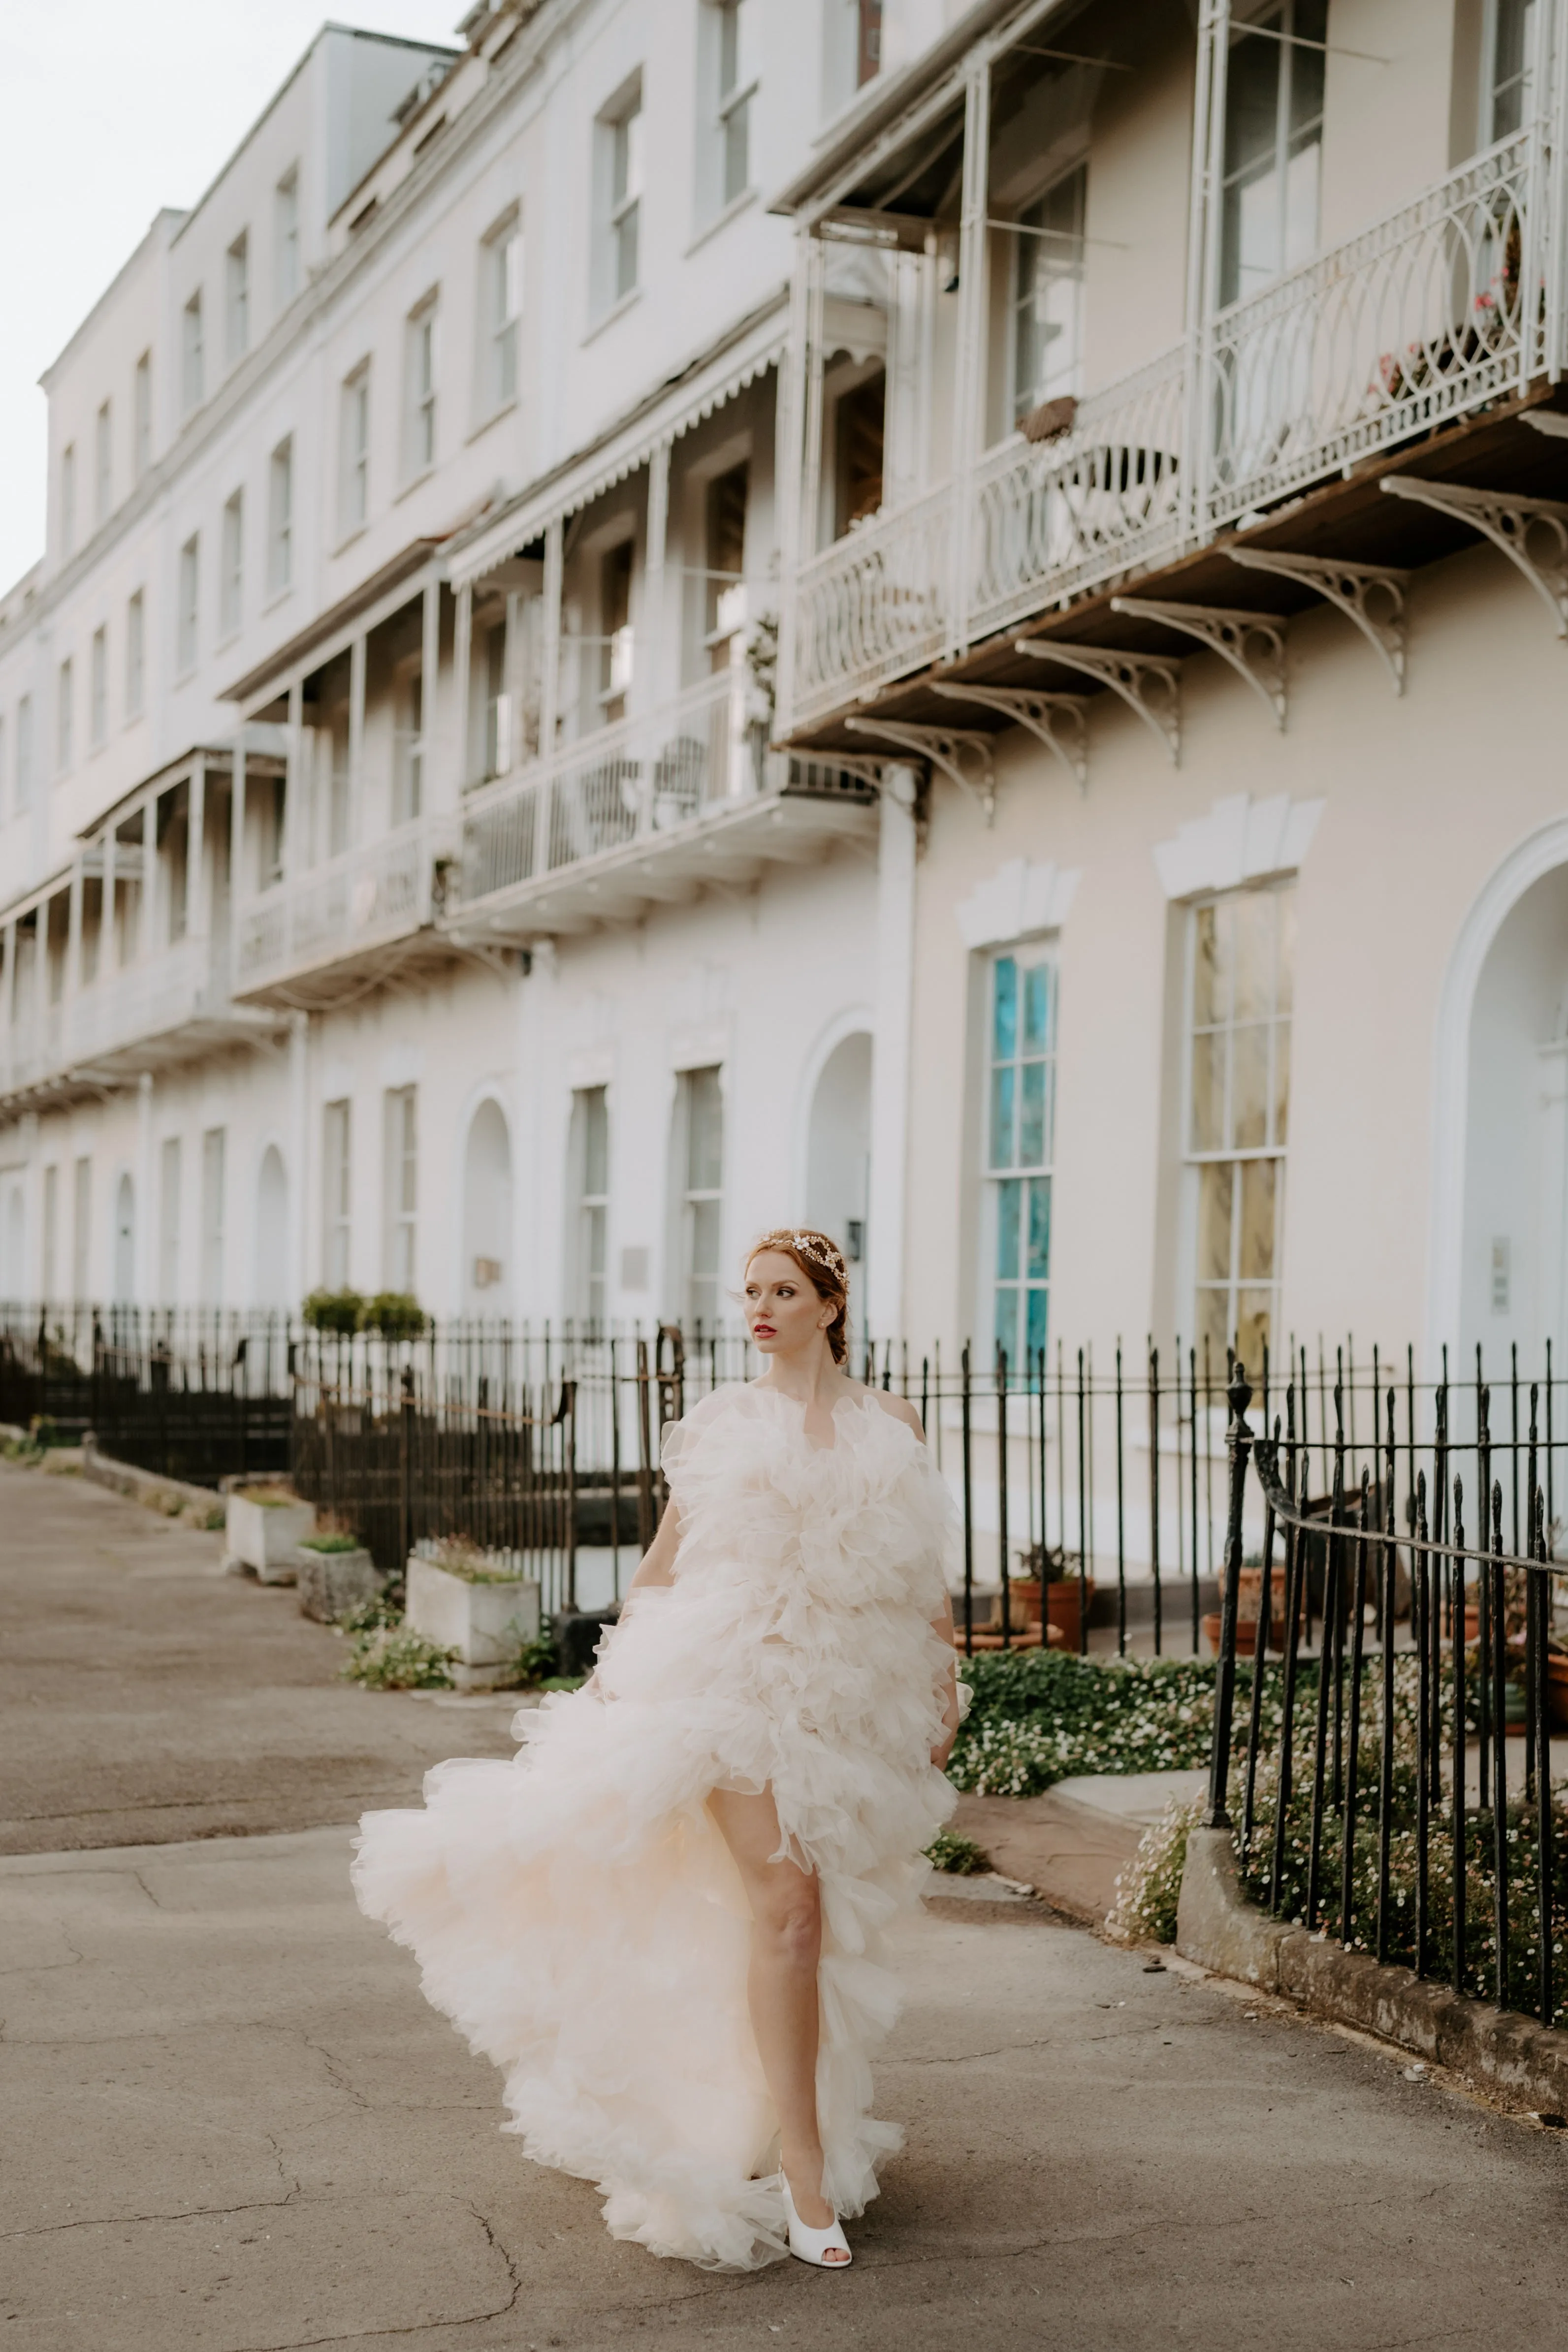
(1557, 1690)
(1246, 1634)
(1065, 1602)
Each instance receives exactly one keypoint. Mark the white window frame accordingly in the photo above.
(502, 262)
(141, 417)
(64, 716)
(231, 566)
(1051, 382)
(589, 1247)
(1010, 1181)
(1277, 17)
(1496, 15)
(408, 742)
(81, 1228)
(353, 470)
(237, 299)
(1275, 1146)
(187, 610)
(286, 238)
(98, 687)
(135, 653)
(421, 364)
(726, 34)
(280, 516)
(337, 1192)
(215, 1153)
(700, 1286)
(619, 141)
(169, 1187)
(400, 1229)
(103, 464)
(193, 355)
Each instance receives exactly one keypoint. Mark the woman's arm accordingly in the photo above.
(942, 1627)
(655, 1567)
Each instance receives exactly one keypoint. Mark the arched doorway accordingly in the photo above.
(124, 1241)
(1513, 1269)
(839, 1145)
(272, 1231)
(487, 1281)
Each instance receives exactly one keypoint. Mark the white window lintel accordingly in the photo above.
(1240, 840)
(1018, 900)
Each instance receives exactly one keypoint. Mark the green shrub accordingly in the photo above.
(336, 1311)
(458, 1555)
(329, 1543)
(959, 1856)
(390, 1657)
(393, 1315)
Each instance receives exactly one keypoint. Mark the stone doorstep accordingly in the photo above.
(1519, 2064)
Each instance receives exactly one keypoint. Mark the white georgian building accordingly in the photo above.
(944, 619)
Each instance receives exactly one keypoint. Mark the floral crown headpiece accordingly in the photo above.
(818, 1248)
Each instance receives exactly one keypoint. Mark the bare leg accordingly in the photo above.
(781, 1985)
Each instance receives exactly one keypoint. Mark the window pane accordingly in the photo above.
(1253, 1325)
(705, 1132)
(595, 1142)
(1035, 1335)
(1215, 1195)
(1213, 1324)
(1282, 1081)
(1038, 1009)
(1005, 1018)
(1252, 944)
(1032, 1122)
(1210, 988)
(1003, 1085)
(1039, 1263)
(1249, 1085)
(1284, 948)
(1257, 1191)
(1008, 1225)
(1208, 1092)
(1007, 1321)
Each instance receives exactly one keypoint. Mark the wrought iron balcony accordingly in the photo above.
(649, 809)
(315, 935)
(1445, 305)
(171, 1006)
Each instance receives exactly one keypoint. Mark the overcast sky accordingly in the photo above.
(108, 110)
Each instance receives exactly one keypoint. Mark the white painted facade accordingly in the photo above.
(479, 923)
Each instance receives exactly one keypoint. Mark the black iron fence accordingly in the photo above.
(1395, 1764)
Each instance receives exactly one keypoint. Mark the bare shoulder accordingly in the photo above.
(900, 1407)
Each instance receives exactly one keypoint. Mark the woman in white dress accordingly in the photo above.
(662, 1918)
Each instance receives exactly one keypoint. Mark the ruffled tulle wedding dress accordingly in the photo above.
(576, 1912)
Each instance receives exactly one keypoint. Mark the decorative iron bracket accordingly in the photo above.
(1252, 643)
(1060, 721)
(947, 748)
(1351, 587)
(1129, 674)
(1508, 522)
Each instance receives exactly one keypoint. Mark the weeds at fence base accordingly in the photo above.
(1149, 1889)
(959, 1858)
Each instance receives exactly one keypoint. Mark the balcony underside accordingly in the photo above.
(102, 1071)
(1349, 517)
(728, 850)
(330, 976)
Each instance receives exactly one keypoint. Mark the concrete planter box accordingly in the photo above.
(486, 1623)
(331, 1583)
(265, 1537)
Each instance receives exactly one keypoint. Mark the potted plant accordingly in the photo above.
(336, 1574)
(265, 1525)
(1050, 1569)
(476, 1603)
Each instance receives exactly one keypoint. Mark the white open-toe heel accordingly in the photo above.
(813, 2245)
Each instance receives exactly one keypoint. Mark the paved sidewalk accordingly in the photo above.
(244, 2131)
(145, 1696)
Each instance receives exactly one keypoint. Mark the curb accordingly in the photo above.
(1521, 2064)
(172, 1497)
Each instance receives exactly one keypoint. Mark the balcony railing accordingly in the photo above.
(368, 896)
(1439, 307)
(638, 782)
(174, 1001)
